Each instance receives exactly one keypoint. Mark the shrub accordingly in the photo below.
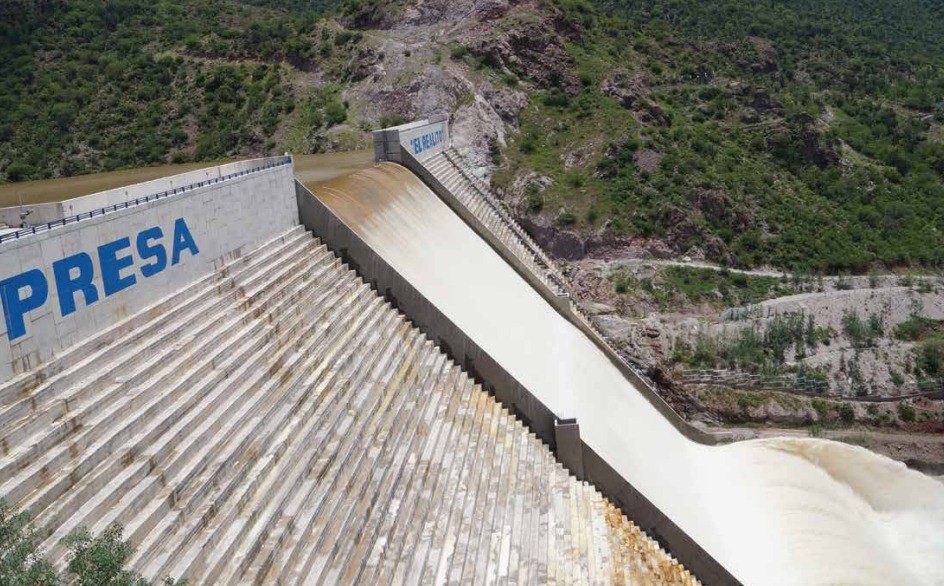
(93, 561)
(566, 218)
(917, 328)
(20, 560)
(906, 412)
(555, 99)
(897, 378)
(862, 333)
(846, 413)
(930, 357)
(19, 171)
(535, 198)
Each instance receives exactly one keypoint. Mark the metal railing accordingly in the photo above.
(282, 161)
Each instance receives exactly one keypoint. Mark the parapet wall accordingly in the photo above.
(50, 212)
(62, 285)
(420, 140)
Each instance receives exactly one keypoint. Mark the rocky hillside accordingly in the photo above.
(786, 133)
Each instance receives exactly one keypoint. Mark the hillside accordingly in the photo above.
(788, 133)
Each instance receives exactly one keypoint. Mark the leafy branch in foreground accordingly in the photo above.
(93, 561)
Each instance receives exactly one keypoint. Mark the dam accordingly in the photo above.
(378, 378)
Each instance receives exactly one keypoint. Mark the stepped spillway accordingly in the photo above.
(278, 422)
(771, 511)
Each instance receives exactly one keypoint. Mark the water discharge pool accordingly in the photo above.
(775, 511)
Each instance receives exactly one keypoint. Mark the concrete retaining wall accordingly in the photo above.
(224, 220)
(39, 214)
(342, 240)
(421, 140)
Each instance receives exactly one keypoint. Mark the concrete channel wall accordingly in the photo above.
(343, 241)
(98, 271)
(559, 433)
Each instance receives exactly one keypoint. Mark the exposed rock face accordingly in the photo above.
(527, 46)
(647, 160)
(400, 70)
(631, 90)
(763, 103)
(560, 244)
(435, 12)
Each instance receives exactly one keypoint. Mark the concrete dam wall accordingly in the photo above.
(204, 371)
(768, 512)
(61, 286)
(251, 411)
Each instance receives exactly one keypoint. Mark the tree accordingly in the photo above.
(20, 559)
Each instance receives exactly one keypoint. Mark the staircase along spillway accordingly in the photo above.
(276, 421)
(252, 406)
(770, 511)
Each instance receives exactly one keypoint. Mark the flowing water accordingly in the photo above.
(777, 511)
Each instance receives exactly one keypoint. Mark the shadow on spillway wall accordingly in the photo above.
(762, 512)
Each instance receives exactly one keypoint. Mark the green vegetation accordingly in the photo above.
(93, 561)
(680, 286)
(929, 357)
(759, 349)
(795, 133)
(906, 412)
(918, 328)
(807, 135)
(862, 333)
(92, 85)
(20, 562)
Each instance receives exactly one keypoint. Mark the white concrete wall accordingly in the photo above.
(41, 213)
(226, 220)
(95, 201)
(422, 140)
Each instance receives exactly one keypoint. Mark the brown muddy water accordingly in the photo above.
(308, 168)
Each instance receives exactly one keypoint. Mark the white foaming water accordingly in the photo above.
(780, 511)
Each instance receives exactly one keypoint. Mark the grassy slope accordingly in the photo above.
(788, 132)
(815, 142)
(91, 85)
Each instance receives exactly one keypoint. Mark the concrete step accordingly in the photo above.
(50, 452)
(147, 438)
(277, 422)
(313, 558)
(28, 381)
(204, 528)
(257, 398)
(280, 403)
(67, 409)
(80, 369)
